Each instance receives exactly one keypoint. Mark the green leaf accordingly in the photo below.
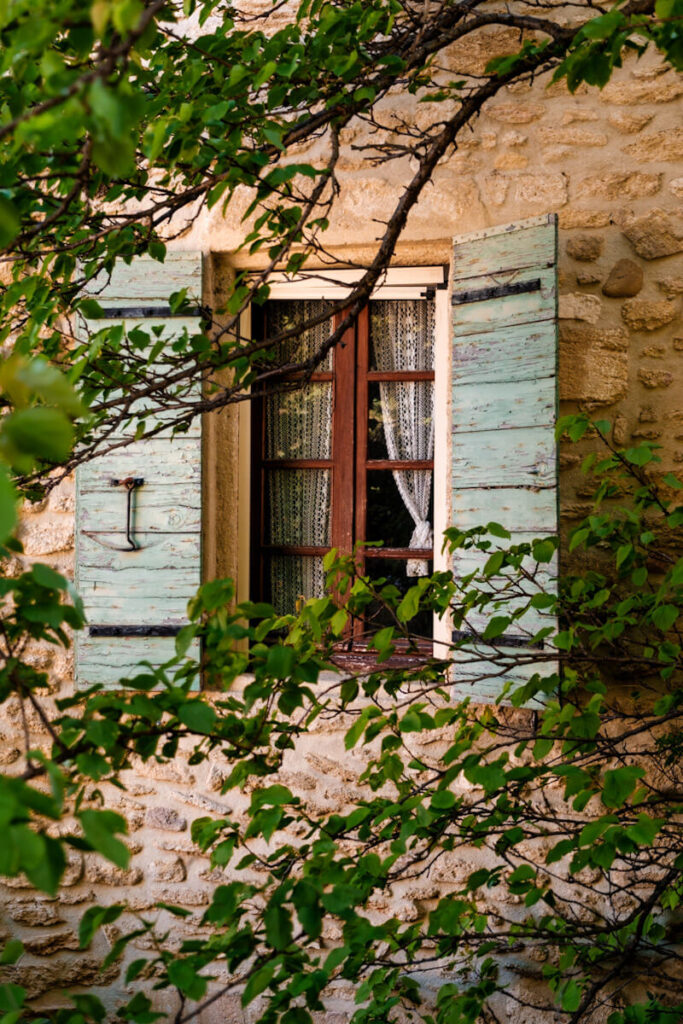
(619, 783)
(197, 716)
(11, 952)
(184, 976)
(10, 224)
(257, 982)
(41, 432)
(278, 924)
(570, 996)
(8, 505)
(100, 828)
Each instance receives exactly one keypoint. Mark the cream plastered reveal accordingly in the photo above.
(609, 164)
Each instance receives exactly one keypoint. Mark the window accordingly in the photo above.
(346, 458)
(349, 457)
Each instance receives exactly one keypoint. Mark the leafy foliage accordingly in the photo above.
(118, 125)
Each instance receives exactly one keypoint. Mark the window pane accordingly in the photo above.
(396, 499)
(402, 334)
(299, 423)
(298, 506)
(292, 578)
(283, 316)
(400, 423)
(393, 570)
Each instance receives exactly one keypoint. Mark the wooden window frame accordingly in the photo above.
(398, 283)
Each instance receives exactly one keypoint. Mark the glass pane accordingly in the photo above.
(400, 420)
(298, 506)
(283, 316)
(402, 334)
(393, 570)
(299, 423)
(388, 515)
(294, 578)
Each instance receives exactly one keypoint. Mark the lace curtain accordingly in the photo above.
(402, 333)
(298, 426)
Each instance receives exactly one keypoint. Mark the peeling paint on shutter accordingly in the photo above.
(503, 459)
(136, 600)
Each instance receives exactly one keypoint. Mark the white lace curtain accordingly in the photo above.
(298, 426)
(402, 333)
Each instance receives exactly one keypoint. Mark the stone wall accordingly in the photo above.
(607, 163)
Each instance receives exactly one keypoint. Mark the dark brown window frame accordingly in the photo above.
(349, 464)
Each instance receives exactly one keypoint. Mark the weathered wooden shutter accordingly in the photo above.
(136, 599)
(504, 365)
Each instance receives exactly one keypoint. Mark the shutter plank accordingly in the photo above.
(94, 661)
(497, 250)
(519, 353)
(500, 406)
(148, 279)
(148, 587)
(501, 313)
(516, 508)
(530, 460)
(503, 413)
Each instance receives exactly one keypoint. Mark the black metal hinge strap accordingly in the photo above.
(143, 312)
(496, 291)
(134, 630)
(504, 640)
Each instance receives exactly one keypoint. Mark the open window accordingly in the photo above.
(349, 458)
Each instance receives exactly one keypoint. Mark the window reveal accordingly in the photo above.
(348, 457)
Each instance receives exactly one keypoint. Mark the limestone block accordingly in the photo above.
(513, 138)
(572, 137)
(587, 277)
(620, 185)
(102, 872)
(165, 818)
(629, 124)
(471, 55)
(34, 913)
(493, 189)
(45, 945)
(48, 538)
(172, 870)
(556, 154)
(511, 161)
(185, 896)
(625, 94)
(573, 218)
(646, 433)
(655, 378)
(57, 975)
(579, 306)
(585, 248)
(579, 114)
(546, 190)
(655, 234)
(625, 280)
(620, 430)
(516, 113)
(676, 187)
(590, 371)
(671, 285)
(664, 145)
(654, 351)
(648, 315)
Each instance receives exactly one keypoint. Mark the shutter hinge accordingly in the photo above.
(144, 312)
(134, 630)
(496, 291)
(504, 640)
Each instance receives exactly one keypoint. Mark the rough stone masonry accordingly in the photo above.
(609, 163)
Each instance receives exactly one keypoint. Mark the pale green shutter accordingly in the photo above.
(136, 600)
(504, 365)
